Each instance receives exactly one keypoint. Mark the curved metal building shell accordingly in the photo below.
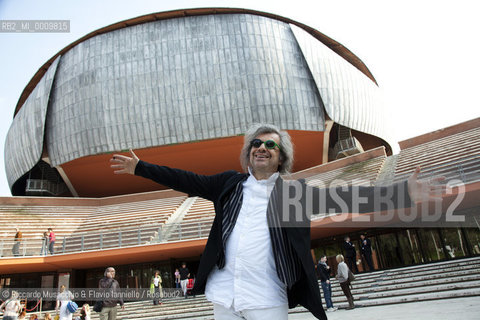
(24, 142)
(176, 81)
(185, 79)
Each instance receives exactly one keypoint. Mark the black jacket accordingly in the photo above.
(350, 251)
(184, 272)
(218, 187)
(366, 246)
(323, 272)
(111, 286)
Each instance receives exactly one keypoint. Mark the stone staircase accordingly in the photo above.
(442, 280)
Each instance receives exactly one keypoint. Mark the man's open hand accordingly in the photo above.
(425, 190)
(123, 164)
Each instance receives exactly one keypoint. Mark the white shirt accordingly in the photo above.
(11, 308)
(249, 279)
(64, 298)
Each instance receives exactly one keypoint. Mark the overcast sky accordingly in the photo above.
(424, 54)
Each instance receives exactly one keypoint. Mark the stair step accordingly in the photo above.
(446, 280)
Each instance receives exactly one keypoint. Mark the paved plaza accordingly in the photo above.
(444, 309)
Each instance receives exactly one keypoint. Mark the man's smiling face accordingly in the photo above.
(264, 162)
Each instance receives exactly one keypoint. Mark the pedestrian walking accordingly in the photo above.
(184, 274)
(344, 280)
(111, 286)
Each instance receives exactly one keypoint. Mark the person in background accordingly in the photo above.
(44, 249)
(17, 240)
(184, 274)
(350, 254)
(22, 315)
(63, 298)
(157, 284)
(342, 277)
(177, 278)
(109, 310)
(367, 251)
(11, 307)
(48, 316)
(51, 241)
(84, 313)
(323, 270)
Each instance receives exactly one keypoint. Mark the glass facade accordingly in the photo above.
(137, 275)
(473, 238)
(410, 247)
(432, 245)
(454, 243)
(389, 251)
(393, 248)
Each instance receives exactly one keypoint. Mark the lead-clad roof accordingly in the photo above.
(349, 96)
(179, 80)
(187, 79)
(24, 142)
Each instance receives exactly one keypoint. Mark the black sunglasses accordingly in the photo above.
(269, 144)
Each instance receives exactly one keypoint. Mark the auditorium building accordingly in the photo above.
(181, 88)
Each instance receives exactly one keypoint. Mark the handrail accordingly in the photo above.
(118, 238)
(40, 185)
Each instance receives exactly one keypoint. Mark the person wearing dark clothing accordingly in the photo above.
(184, 274)
(44, 249)
(350, 255)
(323, 270)
(16, 242)
(282, 234)
(367, 251)
(109, 284)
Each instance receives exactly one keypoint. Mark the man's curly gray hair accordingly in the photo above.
(286, 146)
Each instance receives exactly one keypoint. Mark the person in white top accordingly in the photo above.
(249, 279)
(157, 286)
(85, 313)
(63, 298)
(343, 279)
(11, 307)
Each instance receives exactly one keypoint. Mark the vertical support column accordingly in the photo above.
(442, 243)
(160, 234)
(422, 250)
(326, 138)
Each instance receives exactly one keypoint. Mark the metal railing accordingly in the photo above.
(107, 239)
(42, 186)
(347, 147)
